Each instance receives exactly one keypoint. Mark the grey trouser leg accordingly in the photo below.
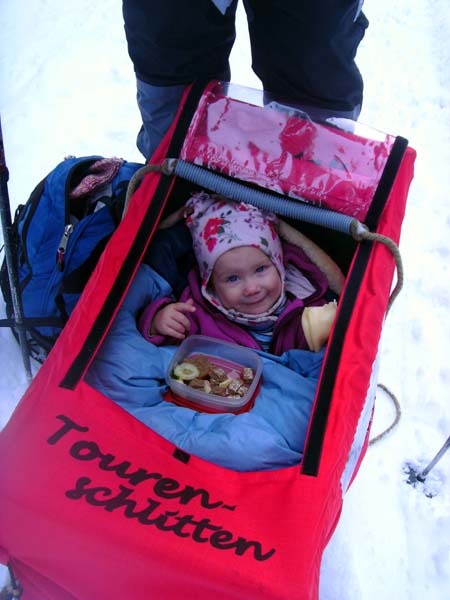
(158, 106)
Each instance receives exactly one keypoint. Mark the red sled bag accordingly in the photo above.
(94, 504)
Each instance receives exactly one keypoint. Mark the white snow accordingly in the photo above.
(67, 87)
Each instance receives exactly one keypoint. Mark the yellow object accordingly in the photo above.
(317, 322)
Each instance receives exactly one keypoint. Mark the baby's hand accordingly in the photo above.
(172, 321)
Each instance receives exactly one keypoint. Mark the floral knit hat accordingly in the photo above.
(219, 225)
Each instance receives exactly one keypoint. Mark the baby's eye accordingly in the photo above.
(232, 278)
(261, 269)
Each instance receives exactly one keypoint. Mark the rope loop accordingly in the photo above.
(398, 412)
(361, 233)
(133, 183)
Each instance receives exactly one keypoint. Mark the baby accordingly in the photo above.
(248, 288)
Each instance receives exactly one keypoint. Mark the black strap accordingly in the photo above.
(29, 322)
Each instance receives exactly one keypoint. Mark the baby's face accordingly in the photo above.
(246, 280)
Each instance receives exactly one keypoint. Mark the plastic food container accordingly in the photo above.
(232, 374)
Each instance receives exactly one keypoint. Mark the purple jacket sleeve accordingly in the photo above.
(146, 318)
(149, 312)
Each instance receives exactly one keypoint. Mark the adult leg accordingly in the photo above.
(305, 51)
(158, 106)
(172, 43)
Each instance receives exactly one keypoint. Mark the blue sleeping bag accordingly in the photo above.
(131, 372)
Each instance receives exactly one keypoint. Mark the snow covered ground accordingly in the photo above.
(67, 87)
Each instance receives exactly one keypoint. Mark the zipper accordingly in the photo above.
(60, 255)
(68, 227)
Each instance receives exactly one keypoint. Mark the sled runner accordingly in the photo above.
(106, 489)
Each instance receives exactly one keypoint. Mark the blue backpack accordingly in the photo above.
(58, 240)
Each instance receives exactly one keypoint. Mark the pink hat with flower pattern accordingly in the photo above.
(219, 225)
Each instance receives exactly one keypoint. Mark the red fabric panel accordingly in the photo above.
(98, 505)
(285, 153)
(363, 333)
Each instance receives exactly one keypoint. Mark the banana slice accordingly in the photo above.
(186, 371)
